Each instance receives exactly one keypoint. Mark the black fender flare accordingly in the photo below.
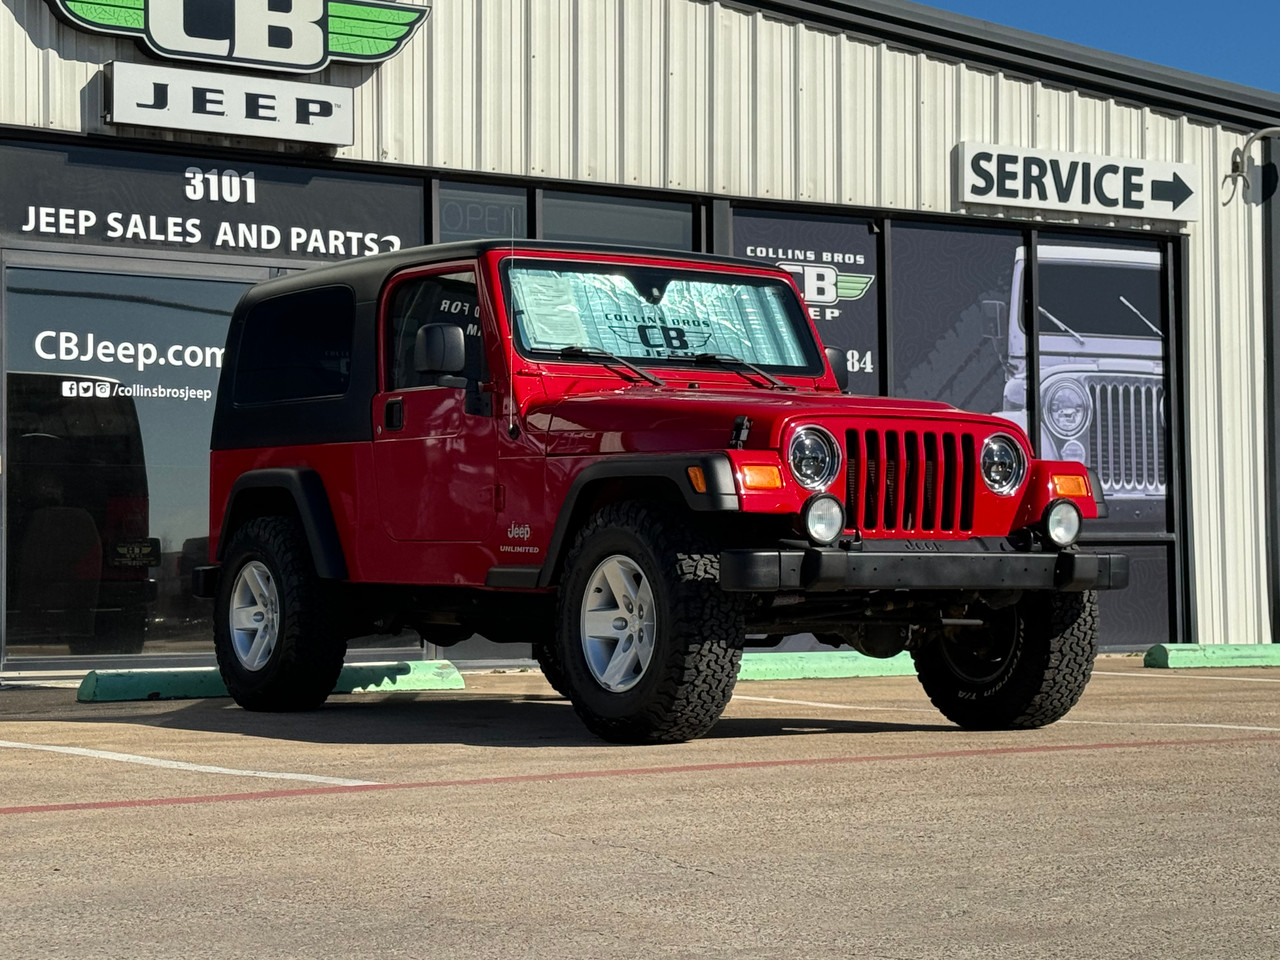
(721, 494)
(306, 488)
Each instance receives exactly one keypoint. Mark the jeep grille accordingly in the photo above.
(1127, 437)
(910, 481)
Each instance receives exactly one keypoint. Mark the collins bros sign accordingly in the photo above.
(295, 36)
(255, 33)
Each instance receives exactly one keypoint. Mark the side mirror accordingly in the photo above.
(836, 358)
(440, 348)
(995, 312)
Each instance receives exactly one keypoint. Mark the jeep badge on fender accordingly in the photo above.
(631, 460)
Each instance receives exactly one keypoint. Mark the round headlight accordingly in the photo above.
(1067, 409)
(1003, 464)
(814, 457)
(823, 519)
(1062, 523)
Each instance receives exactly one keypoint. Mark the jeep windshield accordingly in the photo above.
(1093, 300)
(658, 316)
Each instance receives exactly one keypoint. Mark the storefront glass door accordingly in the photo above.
(110, 372)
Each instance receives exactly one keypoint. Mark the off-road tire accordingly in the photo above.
(548, 659)
(303, 667)
(1050, 642)
(698, 638)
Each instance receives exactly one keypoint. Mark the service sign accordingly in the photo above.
(1077, 183)
(233, 105)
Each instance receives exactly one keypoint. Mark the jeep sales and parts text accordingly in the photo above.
(207, 186)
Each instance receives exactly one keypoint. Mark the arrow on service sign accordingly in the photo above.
(1078, 183)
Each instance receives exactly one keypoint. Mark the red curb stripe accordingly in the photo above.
(625, 772)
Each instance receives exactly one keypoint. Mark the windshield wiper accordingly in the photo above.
(1154, 329)
(1063, 326)
(729, 360)
(595, 353)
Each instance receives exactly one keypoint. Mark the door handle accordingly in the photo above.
(393, 416)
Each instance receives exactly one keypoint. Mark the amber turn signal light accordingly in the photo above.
(1070, 485)
(698, 479)
(761, 477)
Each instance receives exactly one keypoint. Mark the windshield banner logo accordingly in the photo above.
(303, 38)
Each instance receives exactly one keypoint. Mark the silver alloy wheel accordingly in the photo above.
(618, 624)
(254, 615)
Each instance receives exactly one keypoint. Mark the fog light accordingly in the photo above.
(823, 519)
(1062, 523)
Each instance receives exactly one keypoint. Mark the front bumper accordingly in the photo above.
(922, 567)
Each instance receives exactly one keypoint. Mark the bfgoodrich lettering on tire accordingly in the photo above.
(648, 643)
(1025, 668)
(274, 635)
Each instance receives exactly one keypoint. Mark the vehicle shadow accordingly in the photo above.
(522, 721)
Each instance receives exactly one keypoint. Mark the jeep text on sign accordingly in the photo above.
(230, 104)
(1078, 183)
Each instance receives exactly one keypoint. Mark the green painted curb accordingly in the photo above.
(391, 677)
(1177, 656)
(822, 665)
(179, 683)
(193, 683)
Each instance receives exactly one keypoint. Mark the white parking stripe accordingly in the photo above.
(833, 706)
(1097, 723)
(1154, 723)
(1173, 675)
(180, 765)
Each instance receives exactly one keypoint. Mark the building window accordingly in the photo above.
(599, 219)
(109, 401)
(479, 212)
(836, 265)
(952, 287)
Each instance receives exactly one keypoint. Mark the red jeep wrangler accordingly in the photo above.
(633, 460)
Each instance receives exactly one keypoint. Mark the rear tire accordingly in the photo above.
(1026, 668)
(549, 662)
(648, 642)
(275, 634)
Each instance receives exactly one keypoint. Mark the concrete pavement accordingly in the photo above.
(836, 818)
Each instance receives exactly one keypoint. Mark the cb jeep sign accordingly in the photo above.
(299, 36)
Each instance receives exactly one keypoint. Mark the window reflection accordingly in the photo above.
(108, 404)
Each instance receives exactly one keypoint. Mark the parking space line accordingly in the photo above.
(1158, 723)
(181, 765)
(569, 775)
(834, 706)
(1178, 675)
(1097, 723)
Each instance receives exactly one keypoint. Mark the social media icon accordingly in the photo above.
(103, 389)
(69, 388)
(86, 388)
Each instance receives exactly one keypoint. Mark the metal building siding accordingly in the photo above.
(710, 97)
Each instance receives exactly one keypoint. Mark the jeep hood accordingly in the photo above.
(645, 419)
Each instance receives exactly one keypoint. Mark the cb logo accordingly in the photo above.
(296, 35)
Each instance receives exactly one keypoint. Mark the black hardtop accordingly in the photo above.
(366, 276)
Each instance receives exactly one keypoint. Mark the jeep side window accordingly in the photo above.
(443, 298)
(296, 347)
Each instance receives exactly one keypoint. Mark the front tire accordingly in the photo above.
(274, 632)
(1026, 668)
(648, 643)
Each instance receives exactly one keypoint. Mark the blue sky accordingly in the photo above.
(1236, 40)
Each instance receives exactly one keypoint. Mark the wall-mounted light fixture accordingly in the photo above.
(1240, 157)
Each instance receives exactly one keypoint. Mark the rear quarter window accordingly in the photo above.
(296, 347)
